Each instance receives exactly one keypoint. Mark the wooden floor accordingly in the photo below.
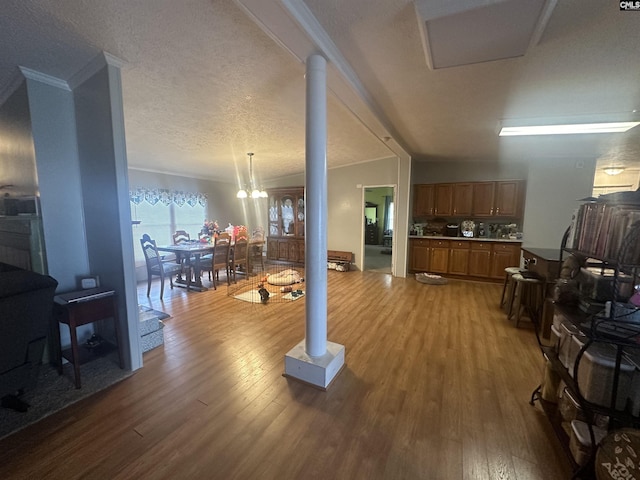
(436, 386)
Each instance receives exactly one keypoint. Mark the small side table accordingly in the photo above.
(81, 308)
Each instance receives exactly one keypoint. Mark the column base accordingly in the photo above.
(315, 371)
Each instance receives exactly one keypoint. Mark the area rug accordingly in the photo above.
(53, 392)
(156, 313)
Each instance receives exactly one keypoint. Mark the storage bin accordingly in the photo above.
(566, 349)
(634, 389)
(570, 409)
(580, 442)
(550, 383)
(596, 372)
(597, 284)
(554, 339)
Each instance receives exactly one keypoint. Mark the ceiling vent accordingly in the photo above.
(463, 32)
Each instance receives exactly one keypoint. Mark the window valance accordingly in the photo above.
(166, 197)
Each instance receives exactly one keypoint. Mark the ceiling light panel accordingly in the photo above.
(474, 31)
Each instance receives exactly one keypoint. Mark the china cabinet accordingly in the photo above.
(285, 240)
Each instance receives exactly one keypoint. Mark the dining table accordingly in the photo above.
(191, 254)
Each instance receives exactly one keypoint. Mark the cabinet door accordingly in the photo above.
(293, 251)
(283, 250)
(423, 200)
(509, 197)
(301, 258)
(272, 249)
(483, 196)
(504, 255)
(459, 258)
(419, 255)
(462, 199)
(274, 217)
(300, 213)
(287, 214)
(443, 198)
(480, 259)
(439, 256)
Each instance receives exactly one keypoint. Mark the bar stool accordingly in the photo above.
(508, 289)
(528, 294)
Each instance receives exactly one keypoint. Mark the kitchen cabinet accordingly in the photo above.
(475, 259)
(504, 255)
(423, 197)
(459, 257)
(462, 199)
(503, 198)
(480, 259)
(419, 254)
(443, 200)
(483, 199)
(509, 198)
(439, 256)
(286, 218)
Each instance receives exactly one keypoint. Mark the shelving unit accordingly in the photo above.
(610, 245)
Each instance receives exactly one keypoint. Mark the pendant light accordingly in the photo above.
(252, 191)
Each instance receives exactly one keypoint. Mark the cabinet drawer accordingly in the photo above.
(420, 243)
(506, 247)
(463, 245)
(484, 246)
(439, 243)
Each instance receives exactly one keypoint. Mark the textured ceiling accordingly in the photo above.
(203, 84)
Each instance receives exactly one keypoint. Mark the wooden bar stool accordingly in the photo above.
(528, 295)
(507, 289)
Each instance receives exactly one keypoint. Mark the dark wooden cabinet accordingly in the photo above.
(286, 218)
(443, 200)
(483, 195)
(423, 200)
(371, 234)
(480, 259)
(419, 255)
(509, 198)
(439, 256)
(504, 255)
(462, 199)
(459, 257)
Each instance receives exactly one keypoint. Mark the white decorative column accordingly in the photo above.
(314, 360)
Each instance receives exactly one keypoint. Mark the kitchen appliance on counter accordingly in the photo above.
(452, 229)
(468, 228)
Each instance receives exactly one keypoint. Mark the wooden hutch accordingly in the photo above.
(285, 240)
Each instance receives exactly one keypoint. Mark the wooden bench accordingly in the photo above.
(338, 260)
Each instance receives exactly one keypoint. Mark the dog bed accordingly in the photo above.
(430, 279)
(285, 277)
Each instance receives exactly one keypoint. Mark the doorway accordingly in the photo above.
(379, 218)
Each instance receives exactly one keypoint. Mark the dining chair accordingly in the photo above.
(220, 257)
(239, 257)
(255, 249)
(156, 266)
(181, 236)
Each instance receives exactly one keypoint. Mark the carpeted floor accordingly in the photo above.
(54, 392)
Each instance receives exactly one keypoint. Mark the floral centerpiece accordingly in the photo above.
(209, 231)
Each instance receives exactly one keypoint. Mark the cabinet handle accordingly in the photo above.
(491, 211)
(497, 210)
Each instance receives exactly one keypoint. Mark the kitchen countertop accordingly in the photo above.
(469, 239)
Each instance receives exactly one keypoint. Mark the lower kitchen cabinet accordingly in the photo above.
(473, 259)
(459, 257)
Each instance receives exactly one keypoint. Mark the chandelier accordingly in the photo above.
(252, 191)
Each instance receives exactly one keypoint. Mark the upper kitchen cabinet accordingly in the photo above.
(462, 199)
(509, 198)
(443, 200)
(483, 199)
(423, 197)
(504, 198)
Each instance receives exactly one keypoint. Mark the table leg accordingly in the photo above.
(75, 355)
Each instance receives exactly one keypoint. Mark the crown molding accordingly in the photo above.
(44, 78)
(98, 62)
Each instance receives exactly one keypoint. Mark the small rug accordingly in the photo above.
(251, 296)
(53, 392)
(156, 313)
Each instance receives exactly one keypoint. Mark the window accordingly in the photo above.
(161, 212)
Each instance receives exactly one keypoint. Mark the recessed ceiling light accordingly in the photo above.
(568, 129)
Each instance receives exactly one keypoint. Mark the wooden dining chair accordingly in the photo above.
(156, 266)
(239, 257)
(255, 249)
(180, 237)
(220, 258)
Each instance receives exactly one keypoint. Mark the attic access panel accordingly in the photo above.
(474, 31)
